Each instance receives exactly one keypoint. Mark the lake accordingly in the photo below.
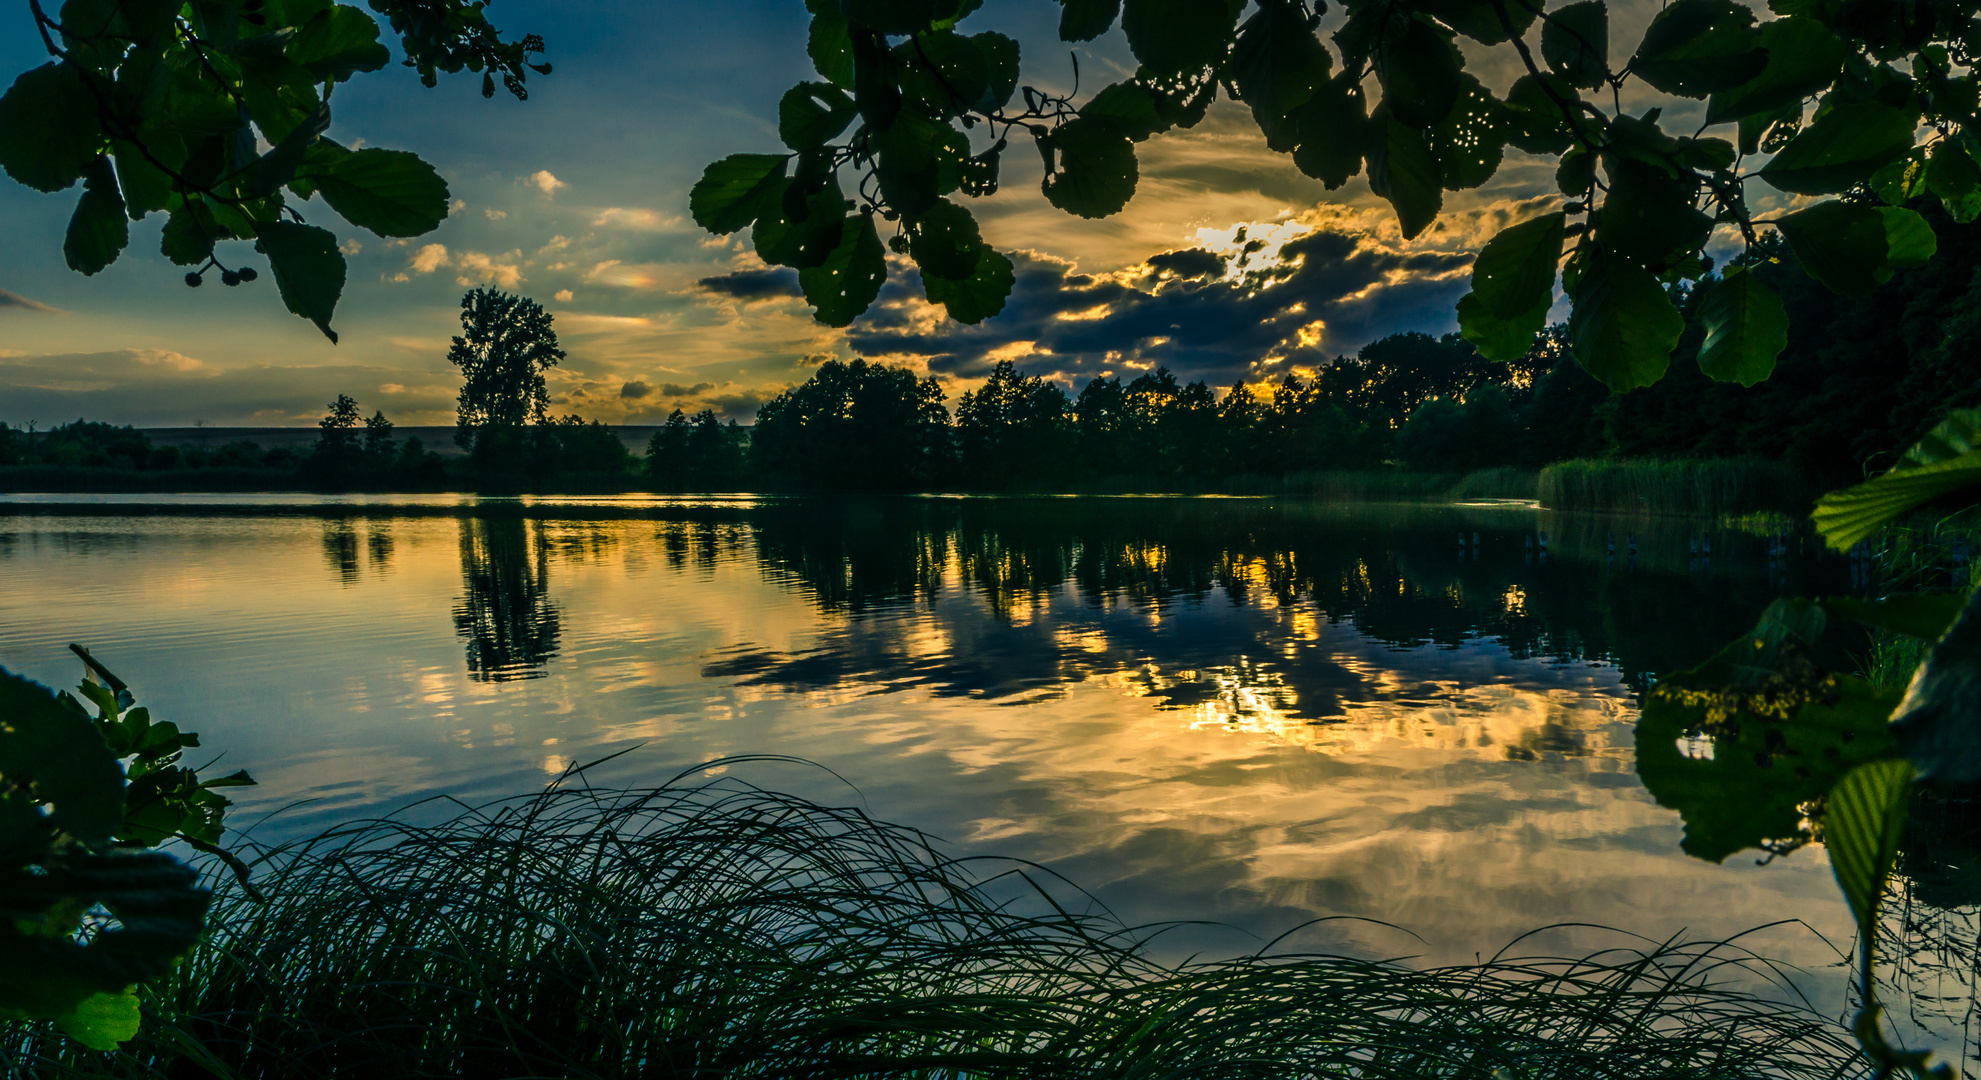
(1252, 712)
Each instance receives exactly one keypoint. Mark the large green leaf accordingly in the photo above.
(1921, 615)
(102, 1021)
(846, 284)
(48, 128)
(268, 172)
(1953, 175)
(1277, 64)
(337, 43)
(52, 754)
(1623, 326)
(1844, 146)
(1699, 47)
(977, 297)
(920, 161)
(1944, 461)
(1534, 121)
(390, 192)
(801, 232)
(145, 186)
(890, 16)
(1513, 283)
(1648, 214)
(1575, 41)
(1481, 20)
(811, 114)
(1129, 107)
(1863, 821)
(1419, 70)
(945, 71)
(1840, 244)
(189, 234)
(1332, 129)
(98, 229)
(946, 242)
(1746, 328)
(1178, 36)
(1469, 144)
(1095, 172)
(1909, 240)
(1085, 20)
(1000, 55)
(1804, 56)
(1937, 724)
(1403, 170)
(309, 270)
(731, 192)
(830, 45)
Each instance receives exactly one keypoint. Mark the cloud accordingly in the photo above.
(495, 215)
(1189, 263)
(478, 269)
(635, 390)
(547, 183)
(16, 300)
(676, 390)
(563, 296)
(747, 285)
(429, 258)
(159, 387)
(635, 218)
(743, 404)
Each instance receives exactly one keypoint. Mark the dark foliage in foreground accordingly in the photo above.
(721, 930)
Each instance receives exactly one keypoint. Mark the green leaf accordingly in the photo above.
(51, 752)
(960, 78)
(1840, 244)
(811, 114)
(1952, 174)
(1085, 20)
(1402, 170)
(890, 16)
(977, 297)
(390, 192)
(1575, 41)
(1699, 47)
(1863, 821)
(1533, 120)
(309, 270)
(1333, 129)
(1095, 171)
(270, 171)
(1276, 65)
(1623, 326)
(145, 187)
(98, 230)
(1513, 283)
(1648, 214)
(1419, 70)
(1576, 173)
(1000, 55)
(1901, 181)
(1844, 146)
(1909, 241)
(830, 45)
(189, 234)
(920, 161)
(1746, 328)
(1936, 724)
(102, 1021)
(802, 235)
(1129, 107)
(1803, 58)
(338, 43)
(1958, 434)
(843, 286)
(731, 192)
(1178, 36)
(946, 242)
(1469, 144)
(48, 128)
(1855, 513)
(1920, 615)
(1480, 19)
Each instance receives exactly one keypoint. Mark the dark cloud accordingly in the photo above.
(749, 285)
(1188, 263)
(1342, 289)
(635, 390)
(742, 405)
(676, 390)
(16, 300)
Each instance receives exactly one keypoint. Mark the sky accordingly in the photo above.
(578, 199)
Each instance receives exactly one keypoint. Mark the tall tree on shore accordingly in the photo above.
(506, 345)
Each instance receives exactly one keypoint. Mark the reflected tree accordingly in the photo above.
(340, 550)
(506, 616)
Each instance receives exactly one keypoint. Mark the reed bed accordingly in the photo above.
(720, 930)
(1699, 488)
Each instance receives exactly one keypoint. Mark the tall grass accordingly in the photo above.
(1703, 488)
(720, 930)
(1389, 485)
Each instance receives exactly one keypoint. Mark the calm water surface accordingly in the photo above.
(1248, 711)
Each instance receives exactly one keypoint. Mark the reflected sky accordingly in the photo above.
(1236, 710)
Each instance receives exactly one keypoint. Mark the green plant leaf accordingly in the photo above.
(52, 753)
(977, 297)
(1480, 19)
(145, 187)
(1513, 283)
(98, 229)
(1844, 146)
(48, 128)
(920, 161)
(946, 241)
(811, 114)
(1804, 56)
(1533, 120)
(1276, 65)
(732, 191)
(390, 192)
(960, 78)
(1746, 328)
(1000, 55)
(337, 43)
(1469, 144)
(189, 234)
(1936, 724)
(1647, 214)
(849, 279)
(1085, 20)
(1909, 240)
(890, 16)
(1403, 170)
(1863, 821)
(1575, 42)
(1951, 174)
(1853, 514)
(1420, 73)
(830, 45)
(268, 172)
(1920, 615)
(1332, 129)
(1840, 244)
(1958, 434)
(1699, 47)
(1178, 36)
(1095, 171)
(1623, 326)
(102, 1021)
(1129, 107)
(806, 240)
(309, 270)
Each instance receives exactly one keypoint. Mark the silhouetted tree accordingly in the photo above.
(506, 345)
(1013, 428)
(856, 426)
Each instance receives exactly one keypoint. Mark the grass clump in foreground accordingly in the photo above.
(1710, 488)
(723, 930)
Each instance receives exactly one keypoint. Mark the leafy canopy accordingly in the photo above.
(912, 115)
(163, 106)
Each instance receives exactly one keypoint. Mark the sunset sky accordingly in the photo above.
(578, 197)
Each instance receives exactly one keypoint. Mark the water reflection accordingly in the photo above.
(505, 611)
